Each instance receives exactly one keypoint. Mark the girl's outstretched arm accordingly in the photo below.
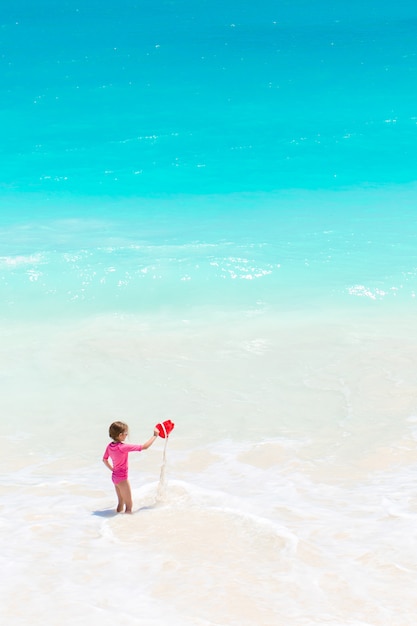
(150, 441)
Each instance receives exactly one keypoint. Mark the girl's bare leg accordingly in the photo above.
(124, 496)
(120, 502)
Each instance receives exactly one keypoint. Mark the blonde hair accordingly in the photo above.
(116, 429)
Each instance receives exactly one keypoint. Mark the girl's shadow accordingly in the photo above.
(105, 513)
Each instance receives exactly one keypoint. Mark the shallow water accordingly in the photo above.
(289, 491)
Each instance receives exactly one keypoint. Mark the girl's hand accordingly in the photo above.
(156, 432)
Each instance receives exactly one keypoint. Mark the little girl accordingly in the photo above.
(118, 452)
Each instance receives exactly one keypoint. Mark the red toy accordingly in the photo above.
(165, 428)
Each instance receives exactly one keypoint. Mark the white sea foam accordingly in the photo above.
(20, 260)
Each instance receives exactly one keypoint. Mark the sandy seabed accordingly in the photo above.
(289, 490)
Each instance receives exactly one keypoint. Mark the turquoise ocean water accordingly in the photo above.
(172, 97)
(208, 213)
(162, 128)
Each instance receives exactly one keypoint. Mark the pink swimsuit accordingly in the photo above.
(118, 452)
